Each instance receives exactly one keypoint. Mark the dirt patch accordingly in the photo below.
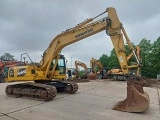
(152, 82)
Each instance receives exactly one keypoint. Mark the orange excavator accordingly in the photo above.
(1, 72)
(5, 65)
(78, 63)
(51, 69)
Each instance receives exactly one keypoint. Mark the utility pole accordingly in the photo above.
(66, 63)
(24, 59)
(71, 62)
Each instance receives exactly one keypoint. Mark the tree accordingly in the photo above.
(146, 50)
(104, 60)
(155, 58)
(7, 56)
(113, 60)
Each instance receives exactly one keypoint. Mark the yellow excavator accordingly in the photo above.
(78, 63)
(46, 75)
(98, 71)
(97, 68)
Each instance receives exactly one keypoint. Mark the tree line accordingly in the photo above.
(150, 58)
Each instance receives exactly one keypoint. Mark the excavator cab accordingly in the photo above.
(60, 69)
(61, 66)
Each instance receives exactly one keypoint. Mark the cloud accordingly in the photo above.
(29, 26)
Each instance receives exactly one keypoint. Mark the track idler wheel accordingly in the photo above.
(72, 88)
(9, 90)
(137, 100)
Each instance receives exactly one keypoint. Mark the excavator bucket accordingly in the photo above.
(137, 100)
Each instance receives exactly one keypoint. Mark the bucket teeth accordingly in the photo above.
(137, 100)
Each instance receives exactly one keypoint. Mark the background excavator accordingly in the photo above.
(99, 70)
(78, 63)
(96, 68)
(47, 74)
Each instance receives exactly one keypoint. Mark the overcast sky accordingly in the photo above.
(28, 26)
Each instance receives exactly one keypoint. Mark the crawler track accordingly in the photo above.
(32, 90)
(40, 91)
